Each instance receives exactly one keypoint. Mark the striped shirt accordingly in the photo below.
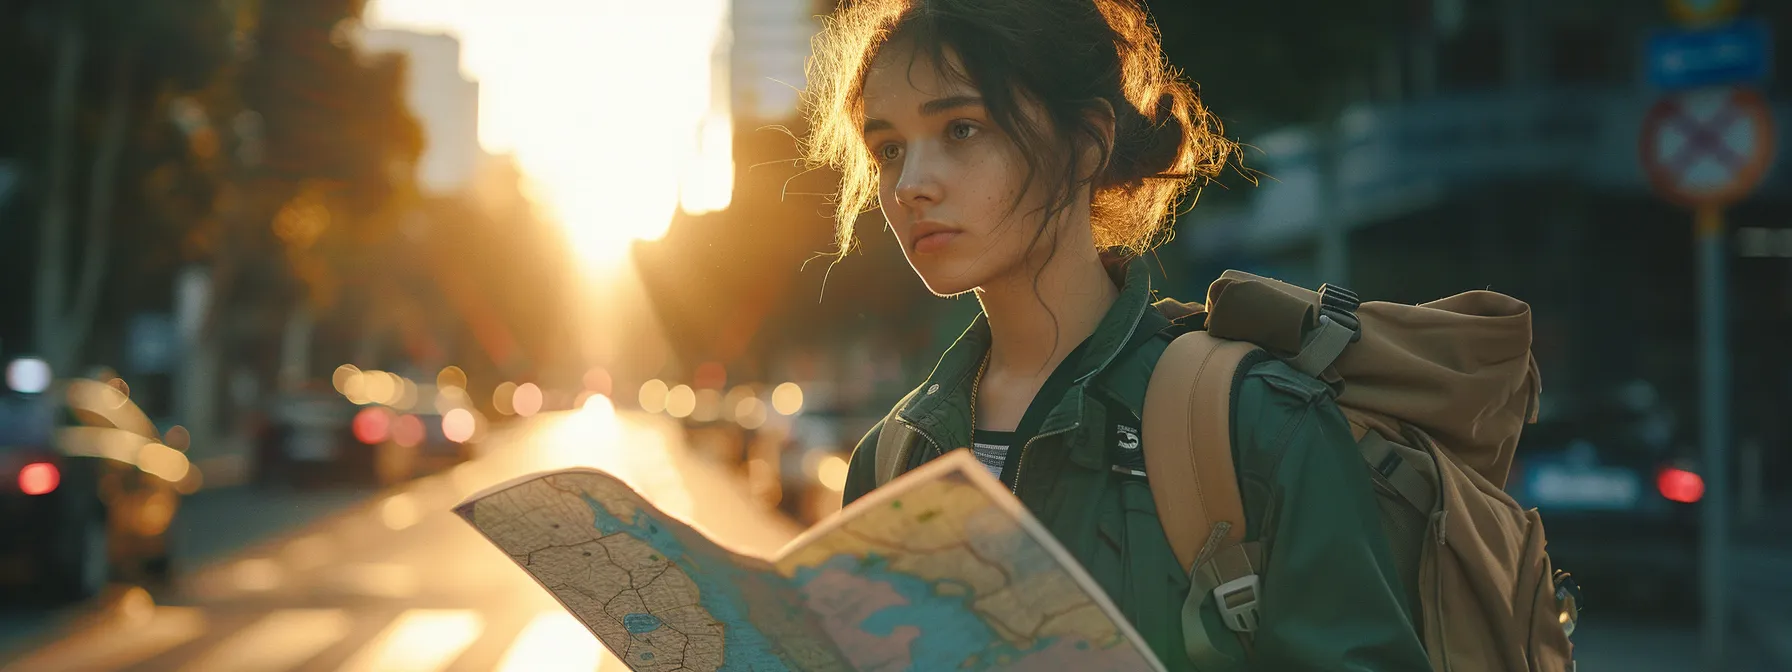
(991, 448)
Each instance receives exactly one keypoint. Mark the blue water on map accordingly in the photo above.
(640, 624)
(744, 647)
(951, 632)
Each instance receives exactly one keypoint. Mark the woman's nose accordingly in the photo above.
(918, 184)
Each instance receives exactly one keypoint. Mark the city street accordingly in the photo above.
(398, 582)
(394, 581)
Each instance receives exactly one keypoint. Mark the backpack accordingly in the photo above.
(1436, 395)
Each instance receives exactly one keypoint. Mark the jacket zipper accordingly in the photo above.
(924, 435)
(1021, 461)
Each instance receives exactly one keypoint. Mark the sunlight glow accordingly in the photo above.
(281, 640)
(603, 104)
(421, 639)
(399, 512)
(553, 640)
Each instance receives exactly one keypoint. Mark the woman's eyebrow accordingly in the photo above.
(941, 105)
(930, 108)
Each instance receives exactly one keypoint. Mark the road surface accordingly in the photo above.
(396, 582)
(400, 583)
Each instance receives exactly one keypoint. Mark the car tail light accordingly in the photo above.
(1680, 485)
(39, 478)
(408, 431)
(372, 425)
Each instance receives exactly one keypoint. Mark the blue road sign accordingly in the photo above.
(1736, 53)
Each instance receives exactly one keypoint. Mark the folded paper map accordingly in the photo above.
(941, 569)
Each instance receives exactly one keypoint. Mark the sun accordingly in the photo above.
(610, 108)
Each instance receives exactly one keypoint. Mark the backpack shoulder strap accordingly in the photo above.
(1187, 432)
(1188, 444)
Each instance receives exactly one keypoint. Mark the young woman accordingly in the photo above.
(1024, 151)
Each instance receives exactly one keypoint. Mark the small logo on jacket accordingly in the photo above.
(1128, 437)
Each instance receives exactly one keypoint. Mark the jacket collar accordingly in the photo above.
(940, 408)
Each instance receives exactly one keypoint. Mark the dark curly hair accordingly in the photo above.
(1065, 56)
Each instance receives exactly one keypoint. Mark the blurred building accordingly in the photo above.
(770, 43)
(1497, 147)
(445, 101)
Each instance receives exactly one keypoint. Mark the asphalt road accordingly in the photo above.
(394, 581)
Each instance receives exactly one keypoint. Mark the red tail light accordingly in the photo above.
(39, 478)
(1680, 485)
(373, 425)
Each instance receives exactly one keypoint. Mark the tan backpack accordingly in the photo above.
(1436, 395)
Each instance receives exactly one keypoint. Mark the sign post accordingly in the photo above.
(1707, 149)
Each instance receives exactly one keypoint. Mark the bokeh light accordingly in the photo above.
(598, 380)
(681, 401)
(787, 399)
(178, 438)
(450, 398)
(750, 413)
(354, 388)
(399, 511)
(708, 407)
(407, 395)
(28, 376)
(527, 400)
(458, 425)
(408, 431)
(653, 396)
(162, 462)
(502, 396)
(831, 472)
(378, 387)
(342, 376)
(39, 478)
(372, 425)
(451, 376)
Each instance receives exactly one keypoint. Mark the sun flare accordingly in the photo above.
(610, 108)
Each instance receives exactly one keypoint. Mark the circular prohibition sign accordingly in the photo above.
(1709, 147)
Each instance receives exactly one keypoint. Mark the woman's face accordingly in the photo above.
(948, 175)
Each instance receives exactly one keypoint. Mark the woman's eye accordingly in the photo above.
(889, 151)
(962, 131)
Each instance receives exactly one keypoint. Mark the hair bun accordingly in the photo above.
(1161, 144)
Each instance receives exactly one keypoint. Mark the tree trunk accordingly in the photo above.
(101, 191)
(51, 280)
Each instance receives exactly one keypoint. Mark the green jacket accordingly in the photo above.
(1331, 596)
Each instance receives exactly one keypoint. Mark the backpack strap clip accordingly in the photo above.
(1338, 328)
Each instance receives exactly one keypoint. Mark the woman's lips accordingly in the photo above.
(934, 242)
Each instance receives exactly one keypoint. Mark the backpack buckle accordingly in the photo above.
(1237, 602)
(1340, 304)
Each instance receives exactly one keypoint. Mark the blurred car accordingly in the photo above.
(308, 440)
(1619, 502)
(88, 493)
(429, 445)
(814, 460)
(317, 438)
